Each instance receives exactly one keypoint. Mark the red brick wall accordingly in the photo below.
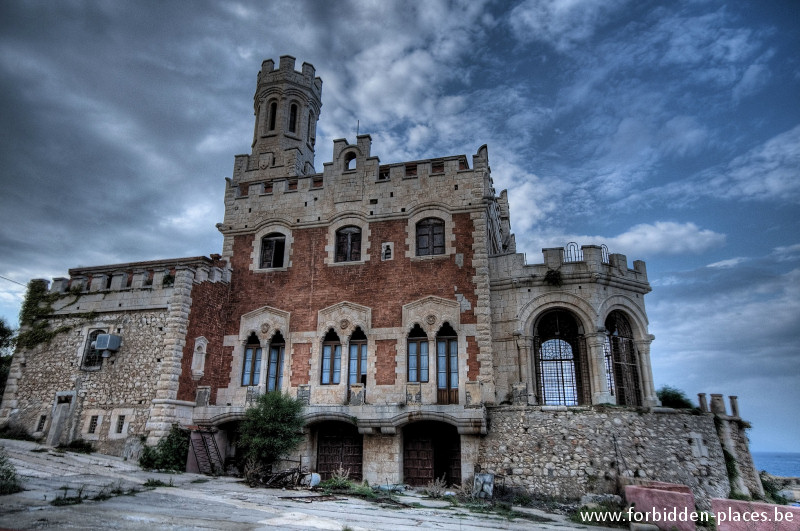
(301, 363)
(385, 361)
(206, 318)
(473, 365)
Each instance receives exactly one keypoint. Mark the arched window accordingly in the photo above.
(331, 359)
(293, 118)
(277, 348)
(621, 360)
(251, 368)
(417, 355)
(561, 361)
(348, 244)
(349, 161)
(273, 112)
(447, 365)
(91, 356)
(272, 248)
(357, 368)
(430, 237)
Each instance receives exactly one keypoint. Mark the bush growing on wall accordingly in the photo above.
(674, 398)
(169, 454)
(271, 428)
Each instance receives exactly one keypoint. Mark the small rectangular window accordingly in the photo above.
(437, 167)
(42, 420)
(93, 423)
(316, 182)
(383, 174)
(411, 170)
(291, 184)
(120, 423)
(268, 187)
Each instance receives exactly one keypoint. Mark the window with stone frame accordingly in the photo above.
(93, 423)
(417, 355)
(92, 358)
(447, 365)
(621, 360)
(120, 423)
(273, 247)
(561, 361)
(331, 359)
(251, 366)
(348, 244)
(293, 118)
(277, 348)
(273, 112)
(357, 360)
(430, 237)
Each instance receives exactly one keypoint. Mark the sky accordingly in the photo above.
(667, 130)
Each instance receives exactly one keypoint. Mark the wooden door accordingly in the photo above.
(340, 447)
(418, 460)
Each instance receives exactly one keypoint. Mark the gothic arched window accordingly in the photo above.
(277, 348)
(417, 355)
(251, 368)
(447, 365)
(331, 359)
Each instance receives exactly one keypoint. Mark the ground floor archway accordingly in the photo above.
(431, 450)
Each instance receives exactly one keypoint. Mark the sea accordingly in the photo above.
(778, 464)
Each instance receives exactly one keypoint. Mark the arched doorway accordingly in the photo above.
(339, 446)
(431, 450)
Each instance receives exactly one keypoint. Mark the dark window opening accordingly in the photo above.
(350, 161)
(437, 167)
(561, 361)
(383, 174)
(42, 420)
(273, 111)
(316, 182)
(411, 170)
(277, 349)
(447, 365)
(310, 125)
(348, 244)
(417, 355)
(430, 237)
(331, 359)
(293, 118)
(272, 250)
(120, 423)
(291, 184)
(251, 368)
(93, 423)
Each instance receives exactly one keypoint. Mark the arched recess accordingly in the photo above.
(561, 359)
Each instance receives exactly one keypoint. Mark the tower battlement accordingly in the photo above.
(269, 75)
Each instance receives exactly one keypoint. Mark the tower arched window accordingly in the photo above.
(251, 366)
(446, 365)
(273, 113)
(349, 161)
(348, 244)
(430, 237)
(621, 360)
(293, 118)
(309, 132)
(273, 246)
(277, 348)
(561, 360)
(331, 359)
(417, 355)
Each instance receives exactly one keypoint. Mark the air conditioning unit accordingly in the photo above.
(108, 342)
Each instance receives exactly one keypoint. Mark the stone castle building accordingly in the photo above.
(389, 298)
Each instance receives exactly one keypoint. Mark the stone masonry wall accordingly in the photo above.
(566, 453)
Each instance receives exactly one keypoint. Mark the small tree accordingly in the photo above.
(674, 398)
(271, 428)
(169, 454)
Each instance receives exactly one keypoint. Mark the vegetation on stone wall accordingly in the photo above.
(553, 277)
(169, 454)
(271, 428)
(674, 398)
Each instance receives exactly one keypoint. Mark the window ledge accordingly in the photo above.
(353, 262)
(430, 257)
(270, 269)
(91, 369)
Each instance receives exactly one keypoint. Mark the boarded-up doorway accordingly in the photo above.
(339, 445)
(431, 450)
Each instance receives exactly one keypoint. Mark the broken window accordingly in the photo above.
(447, 365)
(430, 237)
(92, 357)
(272, 249)
(348, 244)
(621, 360)
(251, 368)
(417, 355)
(277, 347)
(561, 361)
(331, 359)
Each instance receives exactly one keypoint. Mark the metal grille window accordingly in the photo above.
(120, 423)
(621, 360)
(92, 357)
(417, 355)
(93, 423)
(251, 368)
(430, 237)
(447, 365)
(272, 250)
(561, 361)
(331, 359)
(42, 420)
(277, 348)
(348, 244)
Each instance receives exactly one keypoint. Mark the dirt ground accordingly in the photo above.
(114, 497)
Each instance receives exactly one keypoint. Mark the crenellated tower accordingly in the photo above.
(286, 105)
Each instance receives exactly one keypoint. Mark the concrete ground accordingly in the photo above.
(200, 502)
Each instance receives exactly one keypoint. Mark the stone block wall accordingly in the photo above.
(577, 450)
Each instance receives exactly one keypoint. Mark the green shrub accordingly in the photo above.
(674, 398)
(270, 429)
(169, 454)
(78, 445)
(9, 481)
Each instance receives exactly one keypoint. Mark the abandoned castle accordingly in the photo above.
(391, 300)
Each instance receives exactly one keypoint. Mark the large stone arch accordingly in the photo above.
(630, 308)
(526, 318)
